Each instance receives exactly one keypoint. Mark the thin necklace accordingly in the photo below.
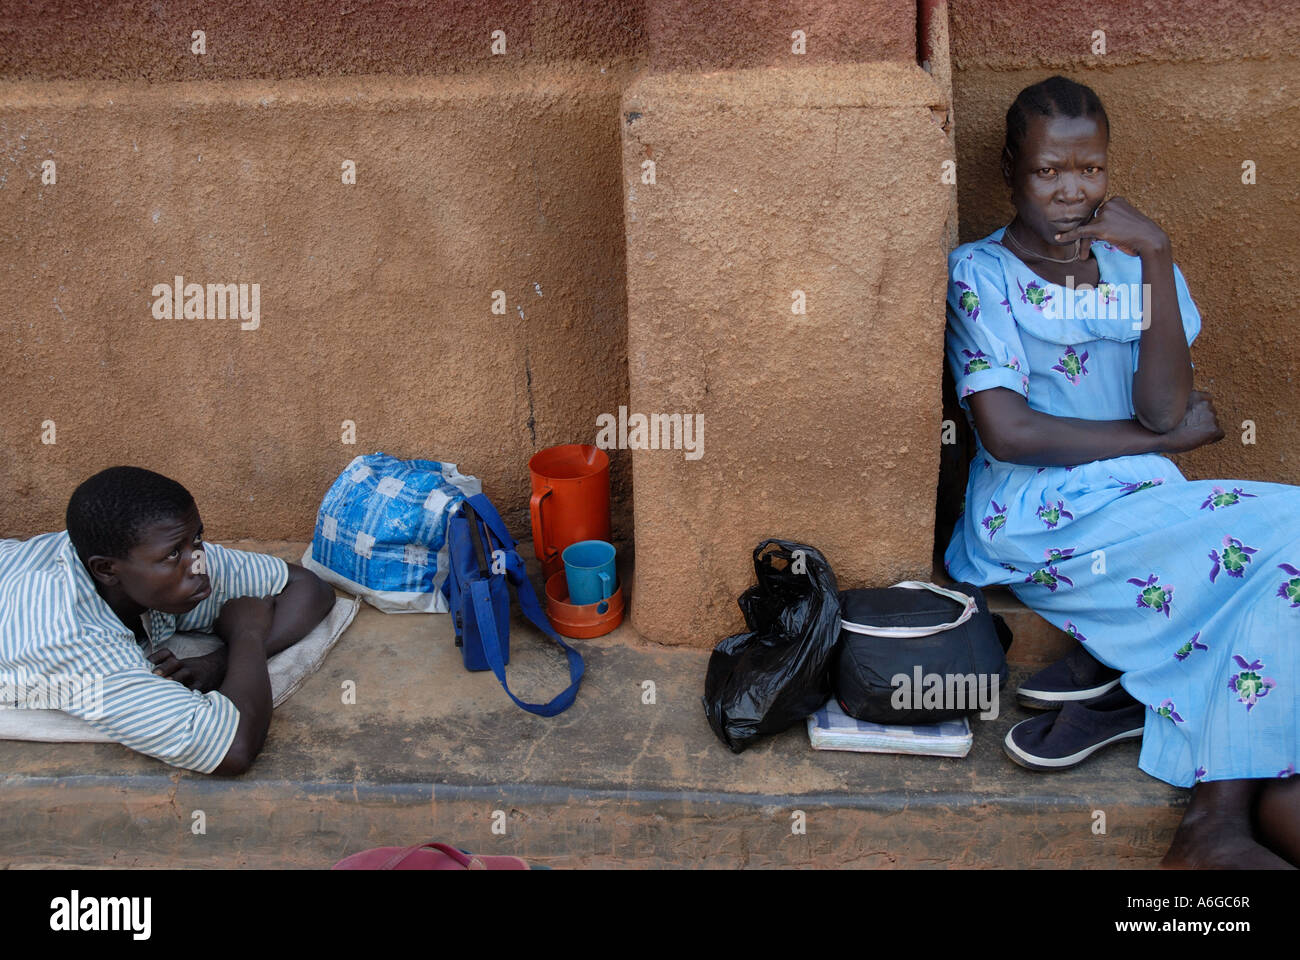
(1006, 232)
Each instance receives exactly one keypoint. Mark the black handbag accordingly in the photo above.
(918, 653)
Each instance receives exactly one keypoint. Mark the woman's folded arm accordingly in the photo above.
(1163, 379)
(1014, 432)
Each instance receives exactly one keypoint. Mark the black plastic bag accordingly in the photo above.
(778, 672)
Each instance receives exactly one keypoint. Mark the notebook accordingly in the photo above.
(830, 728)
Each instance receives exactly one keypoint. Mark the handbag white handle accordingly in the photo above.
(969, 609)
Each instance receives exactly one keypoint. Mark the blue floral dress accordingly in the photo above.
(1190, 587)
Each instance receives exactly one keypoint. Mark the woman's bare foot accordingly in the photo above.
(1218, 843)
(1216, 832)
(1277, 817)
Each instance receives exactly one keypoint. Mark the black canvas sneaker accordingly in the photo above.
(1078, 677)
(1056, 741)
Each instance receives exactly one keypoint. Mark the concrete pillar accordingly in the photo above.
(792, 186)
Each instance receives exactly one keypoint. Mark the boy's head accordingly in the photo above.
(136, 532)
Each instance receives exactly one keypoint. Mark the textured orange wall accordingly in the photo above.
(131, 40)
(134, 40)
(478, 173)
(1192, 89)
(375, 298)
(475, 173)
(735, 34)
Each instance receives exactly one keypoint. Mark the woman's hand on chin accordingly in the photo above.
(1121, 224)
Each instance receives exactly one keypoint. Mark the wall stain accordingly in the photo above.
(528, 380)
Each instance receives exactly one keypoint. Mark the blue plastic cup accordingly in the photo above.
(589, 571)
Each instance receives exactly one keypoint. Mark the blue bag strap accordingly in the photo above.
(517, 575)
(487, 624)
(483, 507)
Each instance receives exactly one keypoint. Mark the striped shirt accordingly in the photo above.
(57, 632)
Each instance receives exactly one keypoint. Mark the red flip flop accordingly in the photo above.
(426, 856)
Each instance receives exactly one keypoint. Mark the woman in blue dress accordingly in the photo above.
(1068, 334)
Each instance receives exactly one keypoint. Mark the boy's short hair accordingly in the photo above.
(109, 512)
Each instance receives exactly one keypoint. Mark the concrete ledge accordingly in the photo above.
(430, 751)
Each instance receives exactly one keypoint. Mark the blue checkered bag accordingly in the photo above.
(381, 532)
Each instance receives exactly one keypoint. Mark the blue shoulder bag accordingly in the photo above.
(484, 563)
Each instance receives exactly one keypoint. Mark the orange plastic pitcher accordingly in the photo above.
(570, 500)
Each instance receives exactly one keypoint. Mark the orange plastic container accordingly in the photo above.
(581, 621)
(570, 501)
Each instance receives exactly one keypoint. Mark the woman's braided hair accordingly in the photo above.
(1054, 97)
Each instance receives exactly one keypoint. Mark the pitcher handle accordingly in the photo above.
(543, 549)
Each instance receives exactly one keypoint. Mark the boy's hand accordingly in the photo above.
(198, 673)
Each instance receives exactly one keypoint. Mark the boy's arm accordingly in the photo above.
(303, 603)
(245, 624)
(255, 628)
(142, 711)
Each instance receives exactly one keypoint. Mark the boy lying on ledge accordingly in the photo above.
(98, 599)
